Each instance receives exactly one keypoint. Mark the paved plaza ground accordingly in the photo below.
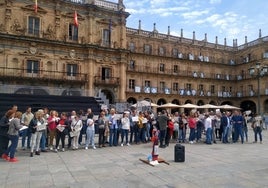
(218, 165)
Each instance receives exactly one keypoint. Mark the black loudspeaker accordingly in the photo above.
(179, 153)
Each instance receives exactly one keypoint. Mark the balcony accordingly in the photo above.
(41, 75)
(111, 81)
(183, 73)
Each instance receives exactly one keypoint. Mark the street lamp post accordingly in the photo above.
(261, 71)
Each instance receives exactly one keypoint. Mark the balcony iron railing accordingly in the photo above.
(18, 73)
(113, 81)
(198, 93)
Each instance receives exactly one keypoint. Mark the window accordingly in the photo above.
(71, 70)
(223, 88)
(147, 83)
(73, 32)
(32, 66)
(162, 86)
(212, 89)
(106, 37)
(250, 89)
(131, 84)
(162, 51)
(175, 86)
(188, 87)
(33, 26)
(106, 73)
(147, 49)
(162, 67)
(175, 69)
(175, 52)
(201, 87)
(132, 65)
(265, 55)
(132, 46)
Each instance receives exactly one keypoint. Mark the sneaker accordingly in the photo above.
(5, 156)
(122, 144)
(128, 144)
(86, 148)
(51, 148)
(13, 160)
(23, 148)
(56, 150)
(94, 147)
(31, 154)
(63, 150)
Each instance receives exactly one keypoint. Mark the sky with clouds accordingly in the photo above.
(230, 19)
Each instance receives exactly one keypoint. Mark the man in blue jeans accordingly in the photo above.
(238, 121)
(208, 129)
(113, 126)
(25, 120)
(225, 124)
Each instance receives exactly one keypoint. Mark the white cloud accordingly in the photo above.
(215, 1)
(194, 14)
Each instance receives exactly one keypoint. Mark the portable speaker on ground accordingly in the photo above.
(179, 153)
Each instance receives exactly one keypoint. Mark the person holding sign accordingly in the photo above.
(62, 131)
(125, 128)
(35, 127)
(113, 128)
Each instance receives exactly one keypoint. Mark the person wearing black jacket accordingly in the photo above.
(162, 122)
(63, 128)
(4, 126)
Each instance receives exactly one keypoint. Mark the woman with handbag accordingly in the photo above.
(101, 124)
(36, 127)
(76, 126)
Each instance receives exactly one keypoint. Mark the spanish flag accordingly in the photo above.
(75, 19)
(35, 6)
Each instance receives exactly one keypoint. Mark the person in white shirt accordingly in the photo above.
(125, 128)
(76, 126)
(208, 128)
(90, 133)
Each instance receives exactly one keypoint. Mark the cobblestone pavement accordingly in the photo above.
(218, 165)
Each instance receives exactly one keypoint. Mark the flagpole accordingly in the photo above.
(35, 6)
(110, 31)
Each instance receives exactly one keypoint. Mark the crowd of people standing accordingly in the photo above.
(44, 130)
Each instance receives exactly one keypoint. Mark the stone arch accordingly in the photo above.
(200, 102)
(132, 100)
(175, 101)
(109, 95)
(161, 101)
(226, 102)
(188, 101)
(213, 103)
(71, 92)
(265, 105)
(249, 105)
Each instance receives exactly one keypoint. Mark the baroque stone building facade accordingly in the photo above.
(44, 52)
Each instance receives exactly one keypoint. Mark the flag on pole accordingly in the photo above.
(110, 25)
(35, 6)
(75, 19)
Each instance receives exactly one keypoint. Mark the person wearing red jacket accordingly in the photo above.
(53, 120)
(192, 126)
(170, 129)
